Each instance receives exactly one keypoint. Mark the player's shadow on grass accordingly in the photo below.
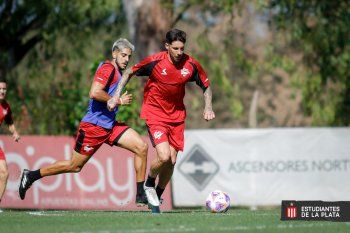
(196, 210)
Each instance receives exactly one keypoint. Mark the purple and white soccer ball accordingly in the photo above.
(218, 202)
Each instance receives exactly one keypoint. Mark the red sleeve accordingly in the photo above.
(145, 67)
(103, 73)
(8, 118)
(200, 76)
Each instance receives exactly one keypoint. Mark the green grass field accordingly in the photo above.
(179, 220)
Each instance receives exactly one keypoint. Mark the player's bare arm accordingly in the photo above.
(14, 132)
(98, 93)
(115, 100)
(208, 113)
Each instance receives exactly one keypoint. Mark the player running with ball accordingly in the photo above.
(163, 108)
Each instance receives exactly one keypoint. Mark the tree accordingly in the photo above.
(43, 47)
(320, 30)
(296, 74)
(23, 24)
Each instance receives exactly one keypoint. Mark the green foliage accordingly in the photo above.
(48, 90)
(318, 30)
(226, 92)
(50, 49)
(321, 31)
(23, 24)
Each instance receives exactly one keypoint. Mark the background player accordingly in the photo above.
(99, 126)
(5, 115)
(163, 108)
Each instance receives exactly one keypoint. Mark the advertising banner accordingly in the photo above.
(264, 166)
(107, 181)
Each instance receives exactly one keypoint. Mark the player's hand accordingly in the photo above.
(208, 114)
(125, 99)
(112, 103)
(16, 136)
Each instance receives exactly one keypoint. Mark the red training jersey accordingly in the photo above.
(5, 113)
(165, 89)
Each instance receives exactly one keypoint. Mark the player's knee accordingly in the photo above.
(4, 175)
(164, 158)
(77, 169)
(141, 149)
(74, 168)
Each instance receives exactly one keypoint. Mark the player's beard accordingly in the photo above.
(177, 59)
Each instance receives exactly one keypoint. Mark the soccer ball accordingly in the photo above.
(218, 202)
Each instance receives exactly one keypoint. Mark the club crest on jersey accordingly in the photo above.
(4, 111)
(157, 134)
(184, 72)
(87, 148)
(164, 72)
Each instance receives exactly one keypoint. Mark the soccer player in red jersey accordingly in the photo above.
(5, 115)
(163, 108)
(99, 126)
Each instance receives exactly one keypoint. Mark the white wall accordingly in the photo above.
(264, 166)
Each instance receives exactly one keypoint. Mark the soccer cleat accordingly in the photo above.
(25, 184)
(141, 200)
(154, 209)
(153, 202)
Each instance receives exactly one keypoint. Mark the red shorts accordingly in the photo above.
(166, 132)
(2, 155)
(90, 137)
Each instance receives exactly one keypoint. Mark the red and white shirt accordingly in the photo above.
(165, 89)
(5, 113)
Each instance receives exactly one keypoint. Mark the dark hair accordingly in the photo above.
(175, 35)
(2, 77)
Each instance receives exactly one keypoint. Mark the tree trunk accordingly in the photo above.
(148, 21)
(253, 110)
